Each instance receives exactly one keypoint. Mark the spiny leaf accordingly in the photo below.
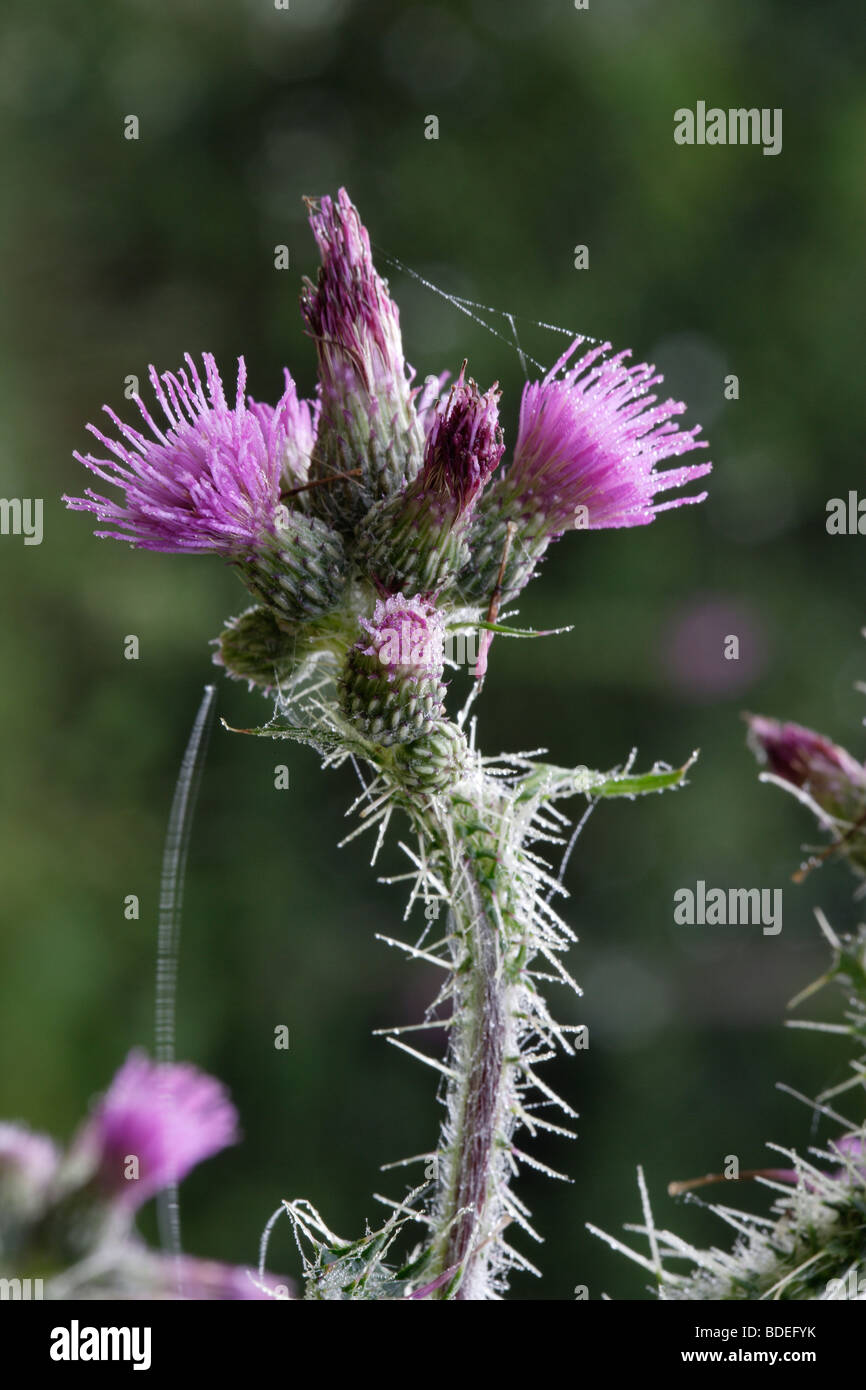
(641, 783)
(549, 783)
(281, 728)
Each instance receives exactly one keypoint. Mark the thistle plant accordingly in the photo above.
(812, 1244)
(370, 526)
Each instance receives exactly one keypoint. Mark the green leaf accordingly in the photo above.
(638, 784)
(552, 783)
(281, 728)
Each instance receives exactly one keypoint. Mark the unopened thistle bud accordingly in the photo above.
(257, 648)
(588, 445)
(416, 542)
(832, 780)
(368, 420)
(434, 762)
(392, 689)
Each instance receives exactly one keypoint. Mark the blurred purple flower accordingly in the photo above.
(28, 1166)
(21, 1150)
(589, 442)
(211, 479)
(208, 1280)
(168, 1117)
(714, 646)
(852, 1147)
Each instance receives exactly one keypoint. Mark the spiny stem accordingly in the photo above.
(481, 1007)
(477, 1113)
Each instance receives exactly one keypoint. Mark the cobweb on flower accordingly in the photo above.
(474, 310)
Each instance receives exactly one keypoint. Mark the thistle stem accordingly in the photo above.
(468, 1205)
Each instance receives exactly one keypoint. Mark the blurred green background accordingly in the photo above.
(556, 129)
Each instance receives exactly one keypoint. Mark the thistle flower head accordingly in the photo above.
(834, 780)
(370, 436)
(292, 425)
(349, 312)
(464, 444)
(391, 689)
(406, 638)
(589, 443)
(427, 399)
(168, 1117)
(209, 478)
(414, 542)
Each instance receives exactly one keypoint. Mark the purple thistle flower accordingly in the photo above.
(292, 424)
(369, 419)
(414, 542)
(464, 445)
(427, 399)
(210, 479)
(391, 688)
(168, 1117)
(406, 638)
(807, 761)
(350, 314)
(589, 442)
(822, 775)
